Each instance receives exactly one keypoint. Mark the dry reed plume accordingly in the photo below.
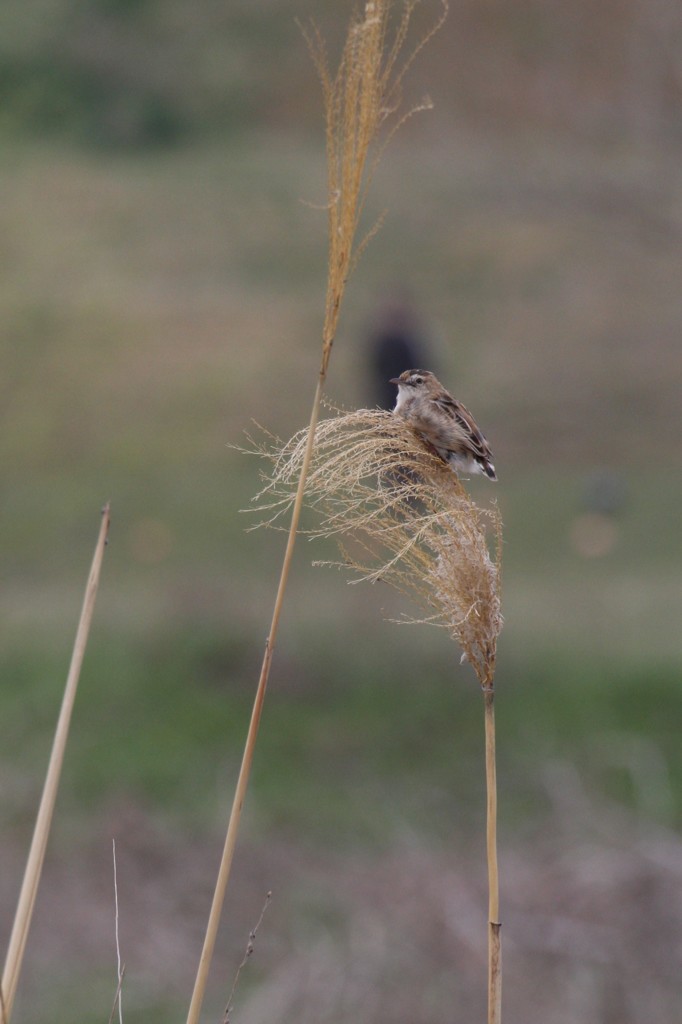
(362, 107)
(401, 515)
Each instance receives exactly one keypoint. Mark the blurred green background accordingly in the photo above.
(163, 250)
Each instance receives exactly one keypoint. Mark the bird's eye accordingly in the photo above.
(418, 380)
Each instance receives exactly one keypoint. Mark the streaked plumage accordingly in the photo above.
(443, 422)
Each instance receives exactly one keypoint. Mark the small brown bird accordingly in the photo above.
(443, 422)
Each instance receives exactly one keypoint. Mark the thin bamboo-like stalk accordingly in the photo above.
(494, 944)
(247, 757)
(356, 107)
(36, 856)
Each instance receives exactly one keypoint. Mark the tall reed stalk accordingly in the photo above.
(402, 516)
(361, 103)
(36, 856)
(494, 925)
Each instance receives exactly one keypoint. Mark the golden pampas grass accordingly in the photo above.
(363, 107)
(402, 516)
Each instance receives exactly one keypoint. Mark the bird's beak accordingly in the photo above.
(395, 380)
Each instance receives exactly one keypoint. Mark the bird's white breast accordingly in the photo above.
(402, 401)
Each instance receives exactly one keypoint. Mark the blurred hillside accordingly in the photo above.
(136, 72)
(163, 247)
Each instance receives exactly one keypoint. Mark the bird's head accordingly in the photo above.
(414, 380)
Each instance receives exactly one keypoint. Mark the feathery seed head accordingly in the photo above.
(399, 515)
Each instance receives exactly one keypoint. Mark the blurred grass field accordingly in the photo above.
(158, 300)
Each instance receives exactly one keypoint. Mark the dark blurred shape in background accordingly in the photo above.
(397, 341)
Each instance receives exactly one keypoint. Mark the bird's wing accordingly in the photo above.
(464, 423)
